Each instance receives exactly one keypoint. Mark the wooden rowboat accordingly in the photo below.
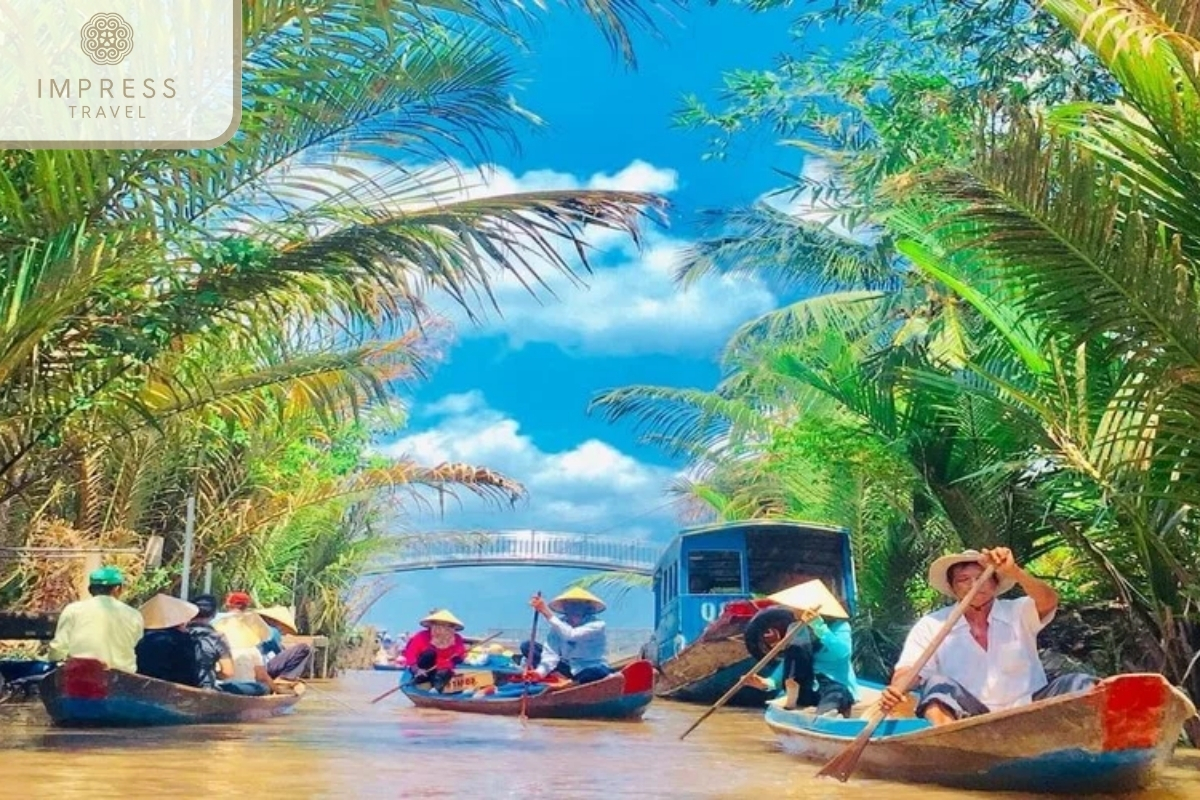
(622, 695)
(704, 670)
(1115, 737)
(84, 692)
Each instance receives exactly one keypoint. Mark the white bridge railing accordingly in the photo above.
(532, 548)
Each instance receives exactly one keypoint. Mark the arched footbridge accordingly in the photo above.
(519, 548)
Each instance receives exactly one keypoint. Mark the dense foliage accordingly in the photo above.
(996, 342)
(229, 324)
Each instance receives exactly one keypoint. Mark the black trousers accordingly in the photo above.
(426, 661)
(829, 695)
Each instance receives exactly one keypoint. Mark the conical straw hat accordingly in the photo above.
(809, 595)
(281, 615)
(443, 616)
(243, 629)
(577, 595)
(165, 611)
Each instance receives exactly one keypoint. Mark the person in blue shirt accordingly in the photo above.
(816, 668)
(576, 643)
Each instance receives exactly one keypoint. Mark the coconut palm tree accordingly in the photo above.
(316, 233)
(1084, 222)
(170, 319)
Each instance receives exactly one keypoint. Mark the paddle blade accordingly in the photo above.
(842, 765)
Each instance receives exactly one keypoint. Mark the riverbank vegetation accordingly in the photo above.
(996, 241)
(229, 324)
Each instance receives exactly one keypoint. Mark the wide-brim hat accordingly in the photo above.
(164, 611)
(445, 617)
(577, 595)
(939, 570)
(243, 629)
(809, 595)
(281, 615)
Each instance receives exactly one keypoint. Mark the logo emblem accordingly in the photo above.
(106, 39)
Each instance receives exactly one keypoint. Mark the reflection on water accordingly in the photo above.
(338, 745)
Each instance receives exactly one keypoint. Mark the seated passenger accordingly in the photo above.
(989, 661)
(432, 654)
(167, 651)
(245, 631)
(214, 660)
(101, 627)
(816, 668)
(285, 664)
(576, 643)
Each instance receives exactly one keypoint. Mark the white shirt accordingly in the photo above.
(1006, 674)
(100, 627)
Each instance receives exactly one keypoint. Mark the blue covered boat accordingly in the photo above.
(623, 695)
(84, 692)
(705, 585)
(1115, 737)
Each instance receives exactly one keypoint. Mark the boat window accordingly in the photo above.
(779, 559)
(714, 572)
(667, 583)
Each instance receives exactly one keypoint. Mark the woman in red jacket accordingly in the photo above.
(432, 654)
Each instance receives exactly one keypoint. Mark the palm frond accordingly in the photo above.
(800, 253)
(682, 421)
(1157, 64)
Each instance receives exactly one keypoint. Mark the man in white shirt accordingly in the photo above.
(989, 661)
(101, 627)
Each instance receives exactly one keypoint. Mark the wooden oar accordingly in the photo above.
(388, 693)
(806, 618)
(842, 765)
(528, 664)
(396, 688)
(328, 696)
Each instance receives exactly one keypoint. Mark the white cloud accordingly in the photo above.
(629, 305)
(632, 307)
(589, 488)
(816, 207)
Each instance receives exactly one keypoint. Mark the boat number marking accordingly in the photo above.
(709, 610)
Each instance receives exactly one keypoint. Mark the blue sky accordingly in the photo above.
(512, 393)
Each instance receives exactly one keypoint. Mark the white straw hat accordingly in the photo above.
(939, 573)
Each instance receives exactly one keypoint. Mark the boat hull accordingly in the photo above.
(704, 671)
(624, 695)
(84, 693)
(1116, 737)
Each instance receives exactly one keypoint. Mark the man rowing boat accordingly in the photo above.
(989, 661)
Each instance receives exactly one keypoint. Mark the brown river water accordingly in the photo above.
(336, 744)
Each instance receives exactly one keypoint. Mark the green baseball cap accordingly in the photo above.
(106, 576)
